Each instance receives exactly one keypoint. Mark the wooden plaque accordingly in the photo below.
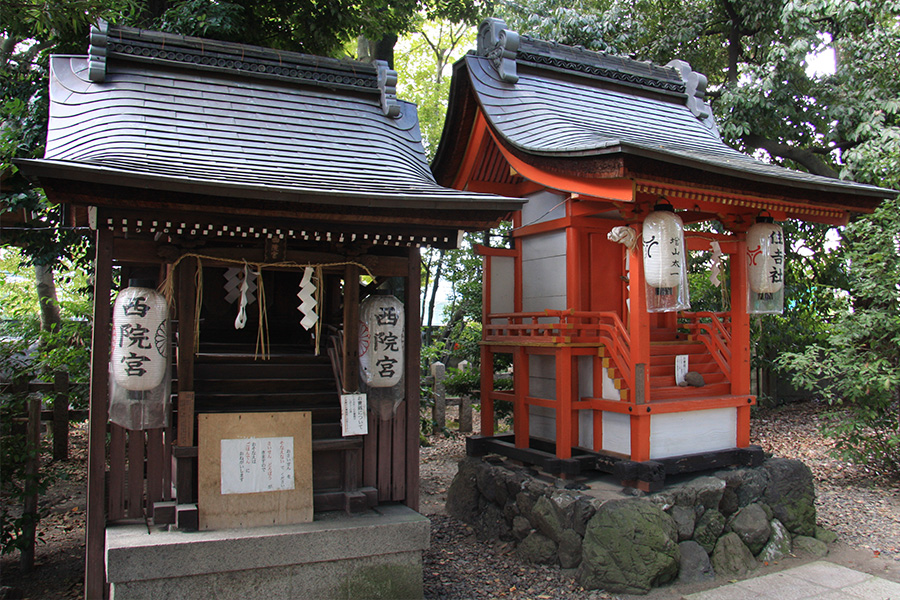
(254, 469)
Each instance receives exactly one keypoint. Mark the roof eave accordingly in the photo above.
(38, 169)
(620, 147)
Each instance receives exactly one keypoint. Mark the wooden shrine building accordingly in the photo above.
(234, 178)
(597, 144)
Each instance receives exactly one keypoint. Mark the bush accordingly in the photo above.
(859, 364)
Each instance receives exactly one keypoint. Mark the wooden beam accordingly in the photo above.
(413, 350)
(351, 329)
(95, 531)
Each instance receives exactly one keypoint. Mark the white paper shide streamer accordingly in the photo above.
(245, 298)
(307, 296)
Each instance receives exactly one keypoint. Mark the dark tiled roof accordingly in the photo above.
(618, 69)
(169, 110)
(560, 101)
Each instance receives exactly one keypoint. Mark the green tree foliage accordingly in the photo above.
(858, 362)
(756, 55)
(425, 57)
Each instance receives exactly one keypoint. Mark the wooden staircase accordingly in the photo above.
(230, 378)
(664, 347)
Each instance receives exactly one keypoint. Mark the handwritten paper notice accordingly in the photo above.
(353, 415)
(257, 465)
(681, 368)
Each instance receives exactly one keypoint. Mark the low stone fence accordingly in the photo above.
(726, 523)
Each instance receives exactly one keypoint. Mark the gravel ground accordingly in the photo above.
(862, 509)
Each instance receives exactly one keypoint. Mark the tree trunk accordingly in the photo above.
(434, 289)
(371, 50)
(47, 300)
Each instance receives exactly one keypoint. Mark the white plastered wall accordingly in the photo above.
(675, 434)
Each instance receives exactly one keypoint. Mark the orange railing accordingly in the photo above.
(714, 330)
(565, 327)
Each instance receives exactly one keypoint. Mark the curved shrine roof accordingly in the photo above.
(184, 114)
(550, 101)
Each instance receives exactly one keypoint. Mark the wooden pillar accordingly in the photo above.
(640, 437)
(521, 422)
(564, 387)
(639, 329)
(186, 311)
(487, 389)
(413, 350)
(95, 534)
(186, 308)
(32, 466)
(60, 415)
(740, 340)
(577, 269)
(351, 329)
(740, 322)
(487, 356)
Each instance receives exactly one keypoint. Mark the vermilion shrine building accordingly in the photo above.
(594, 142)
(203, 166)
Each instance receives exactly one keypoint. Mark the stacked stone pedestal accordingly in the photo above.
(726, 523)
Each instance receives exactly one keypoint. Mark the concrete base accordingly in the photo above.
(374, 555)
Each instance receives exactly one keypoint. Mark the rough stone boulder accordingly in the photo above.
(548, 518)
(569, 549)
(463, 496)
(810, 546)
(684, 518)
(752, 525)
(779, 544)
(708, 529)
(629, 547)
(694, 565)
(791, 495)
(732, 557)
(537, 548)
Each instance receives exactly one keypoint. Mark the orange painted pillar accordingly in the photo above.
(487, 389)
(521, 422)
(639, 329)
(640, 436)
(740, 340)
(565, 386)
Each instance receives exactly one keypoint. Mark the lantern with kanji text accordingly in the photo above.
(139, 358)
(665, 260)
(765, 267)
(381, 341)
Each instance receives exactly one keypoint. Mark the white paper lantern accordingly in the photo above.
(663, 243)
(381, 341)
(665, 261)
(765, 256)
(139, 339)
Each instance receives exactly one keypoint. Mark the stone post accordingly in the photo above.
(439, 410)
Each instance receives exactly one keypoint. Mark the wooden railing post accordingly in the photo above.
(439, 410)
(32, 466)
(60, 415)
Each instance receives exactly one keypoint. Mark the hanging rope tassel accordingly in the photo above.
(262, 333)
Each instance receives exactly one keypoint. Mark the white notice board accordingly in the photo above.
(254, 469)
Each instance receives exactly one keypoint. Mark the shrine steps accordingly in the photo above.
(233, 378)
(662, 370)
